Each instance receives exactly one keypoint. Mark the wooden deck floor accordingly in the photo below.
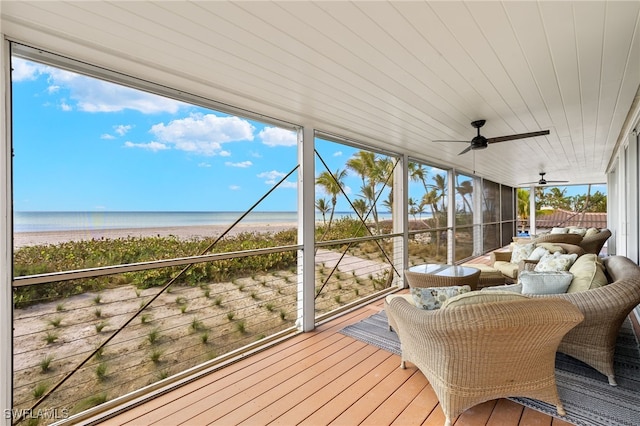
(318, 378)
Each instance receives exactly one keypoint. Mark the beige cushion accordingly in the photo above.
(554, 282)
(588, 273)
(552, 247)
(558, 230)
(507, 269)
(431, 298)
(555, 262)
(474, 297)
(591, 231)
(521, 252)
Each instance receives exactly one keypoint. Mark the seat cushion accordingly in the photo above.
(507, 269)
(588, 273)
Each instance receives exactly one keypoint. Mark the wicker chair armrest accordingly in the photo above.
(526, 265)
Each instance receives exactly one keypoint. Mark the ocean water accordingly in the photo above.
(72, 221)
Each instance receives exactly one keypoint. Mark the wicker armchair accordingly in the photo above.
(475, 353)
(558, 238)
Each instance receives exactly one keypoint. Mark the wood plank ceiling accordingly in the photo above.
(397, 75)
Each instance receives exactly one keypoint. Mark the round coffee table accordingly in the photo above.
(440, 275)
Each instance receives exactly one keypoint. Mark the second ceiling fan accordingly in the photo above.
(480, 142)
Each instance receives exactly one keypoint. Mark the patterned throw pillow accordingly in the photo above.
(521, 252)
(431, 298)
(555, 282)
(555, 262)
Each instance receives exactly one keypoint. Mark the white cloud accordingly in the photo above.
(242, 164)
(224, 154)
(272, 177)
(203, 133)
(151, 146)
(205, 165)
(25, 70)
(337, 154)
(93, 95)
(65, 106)
(234, 187)
(107, 136)
(122, 129)
(276, 136)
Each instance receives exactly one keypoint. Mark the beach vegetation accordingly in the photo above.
(45, 363)
(40, 389)
(100, 326)
(74, 255)
(101, 371)
(55, 322)
(50, 337)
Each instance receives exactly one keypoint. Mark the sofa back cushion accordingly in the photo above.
(521, 252)
(588, 273)
(553, 282)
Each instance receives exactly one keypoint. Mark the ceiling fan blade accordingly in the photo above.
(557, 181)
(518, 136)
(467, 149)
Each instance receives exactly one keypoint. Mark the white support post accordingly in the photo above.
(6, 244)
(306, 229)
(532, 211)
(476, 202)
(451, 216)
(400, 216)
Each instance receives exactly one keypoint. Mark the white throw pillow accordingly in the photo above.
(555, 262)
(558, 230)
(521, 252)
(545, 282)
(430, 298)
(538, 253)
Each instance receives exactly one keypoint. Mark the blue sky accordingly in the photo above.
(82, 144)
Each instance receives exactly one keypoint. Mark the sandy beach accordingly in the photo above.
(21, 239)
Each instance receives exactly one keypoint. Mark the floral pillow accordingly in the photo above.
(521, 252)
(431, 298)
(555, 262)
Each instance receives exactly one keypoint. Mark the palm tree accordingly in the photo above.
(464, 189)
(332, 184)
(323, 207)
(360, 206)
(523, 206)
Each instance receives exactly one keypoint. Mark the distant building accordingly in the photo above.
(568, 218)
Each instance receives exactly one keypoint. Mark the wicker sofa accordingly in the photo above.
(501, 260)
(482, 351)
(605, 308)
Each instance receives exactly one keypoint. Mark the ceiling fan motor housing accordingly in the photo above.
(479, 142)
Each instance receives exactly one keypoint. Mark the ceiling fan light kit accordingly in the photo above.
(480, 142)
